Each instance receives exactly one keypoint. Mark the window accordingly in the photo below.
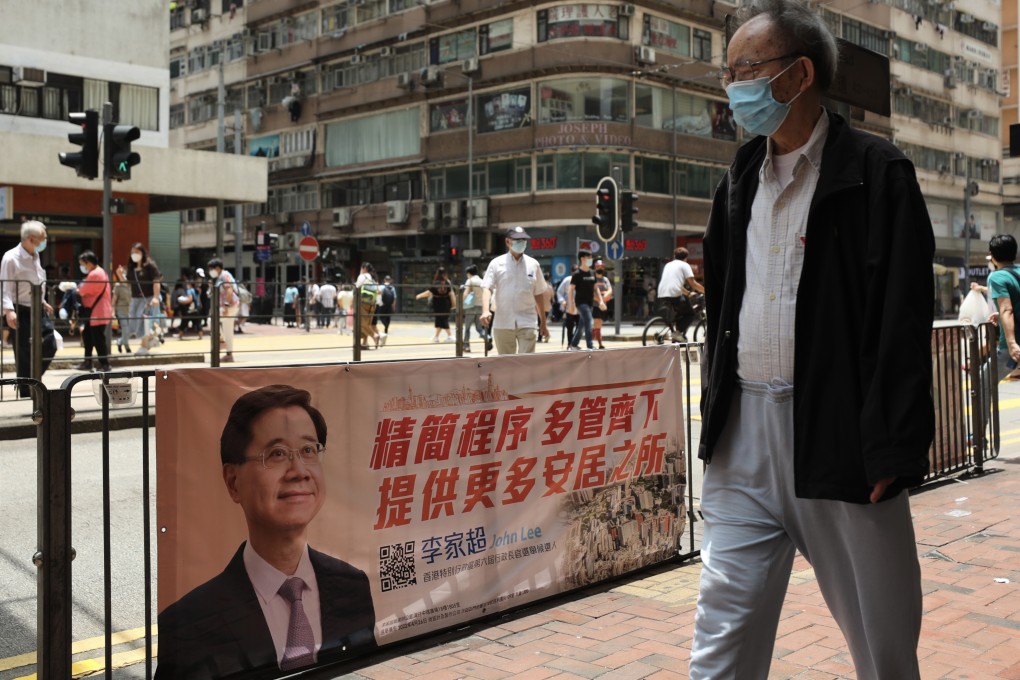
(235, 48)
(503, 110)
(369, 10)
(924, 109)
(582, 21)
(447, 116)
(694, 115)
(176, 116)
(196, 59)
(701, 48)
(583, 99)
(334, 19)
(214, 53)
(545, 177)
(452, 47)
(394, 134)
(139, 105)
(178, 67)
(666, 36)
(499, 35)
(866, 35)
(51, 103)
(985, 31)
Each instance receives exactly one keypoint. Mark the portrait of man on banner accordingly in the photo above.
(279, 605)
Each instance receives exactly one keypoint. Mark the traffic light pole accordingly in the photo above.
(108, 222)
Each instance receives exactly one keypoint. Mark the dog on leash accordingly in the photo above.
(153, 337)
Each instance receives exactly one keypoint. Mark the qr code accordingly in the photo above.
(396, 566)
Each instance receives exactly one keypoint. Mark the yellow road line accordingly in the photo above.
(80, 647)
(88, 667)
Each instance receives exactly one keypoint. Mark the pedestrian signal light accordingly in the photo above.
(86, 161)
(119, 157)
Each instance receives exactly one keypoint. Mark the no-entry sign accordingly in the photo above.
(308, 248)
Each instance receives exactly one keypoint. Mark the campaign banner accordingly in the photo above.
(445, 491)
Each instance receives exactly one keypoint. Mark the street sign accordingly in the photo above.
(614, 249)
(263, 253)
(308, 248)
(306, 229)
(472, 253)
(591, 246)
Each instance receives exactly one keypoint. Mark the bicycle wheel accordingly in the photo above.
(656, 332)
(699, 332)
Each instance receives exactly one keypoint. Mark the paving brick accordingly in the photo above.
(479, 671)
(621, 658)
(632, 671)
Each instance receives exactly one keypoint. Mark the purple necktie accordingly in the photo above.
(300, 648)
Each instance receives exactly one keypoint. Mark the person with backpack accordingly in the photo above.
(1004, 285)
(386, 304)
(367, 292)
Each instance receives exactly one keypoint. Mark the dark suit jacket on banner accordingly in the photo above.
(218, 629)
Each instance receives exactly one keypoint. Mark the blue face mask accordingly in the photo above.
(754, 108)
(41, 247)
(519, 245)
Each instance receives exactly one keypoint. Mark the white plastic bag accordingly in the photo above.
(59, 338)
(974, 309)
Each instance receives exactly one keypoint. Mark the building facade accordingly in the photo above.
(410, 133)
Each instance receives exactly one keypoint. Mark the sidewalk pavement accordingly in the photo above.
(968, 541)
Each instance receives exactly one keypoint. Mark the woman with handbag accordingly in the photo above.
(96, 311)
(443, 299)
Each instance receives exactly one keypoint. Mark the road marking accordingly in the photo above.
(80, 647)
(92, 666)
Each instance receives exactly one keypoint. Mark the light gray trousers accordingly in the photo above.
(864, 556)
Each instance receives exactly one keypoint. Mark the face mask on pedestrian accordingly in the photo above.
(214, 273)
(83, 268)
(136, 257)
(518, 245)
(41, 247)
(754, 108)
(585, 262)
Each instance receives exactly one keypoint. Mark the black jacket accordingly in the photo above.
(218, 629)
(862, 369)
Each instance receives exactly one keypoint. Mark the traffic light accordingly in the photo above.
(628, 210)
(605, 218)
(86, 161)
(119, 157)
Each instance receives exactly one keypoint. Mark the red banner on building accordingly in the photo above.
(447, 490)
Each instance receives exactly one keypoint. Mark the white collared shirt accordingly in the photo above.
(267, 579)
(514, 284)
(776, 242)
(17, 268)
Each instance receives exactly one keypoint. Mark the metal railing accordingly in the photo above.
(967, 434)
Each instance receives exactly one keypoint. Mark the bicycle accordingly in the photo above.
(659, 330)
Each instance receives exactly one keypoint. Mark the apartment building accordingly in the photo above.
(58, 58)
(402, 131)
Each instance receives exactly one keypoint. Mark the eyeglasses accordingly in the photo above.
(747, 70)
(274, 456)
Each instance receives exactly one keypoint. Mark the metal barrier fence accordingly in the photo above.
(967, 435)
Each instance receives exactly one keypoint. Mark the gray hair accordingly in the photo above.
(32, 228)
(801, 31)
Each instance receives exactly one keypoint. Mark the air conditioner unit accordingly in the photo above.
(947, 121)
(29, 77)
(246, 33)
(430, 75)
(645, 54)
(198, 16)
(282, 218)
(949, 82)
(430, 214)
(920, 47)
(966, 18)
(396, 212)
(228, 225)
(478, 212)
(974, 113)
(469, 65)
(274, 164)
(290, 240)
(627, 10)
(451, 209)
(942, 169)
(342, 217)
(989, 26)
(356, 59)
(405, 80)
(386, 51)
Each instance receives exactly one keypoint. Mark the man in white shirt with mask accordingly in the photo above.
(515, 282)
